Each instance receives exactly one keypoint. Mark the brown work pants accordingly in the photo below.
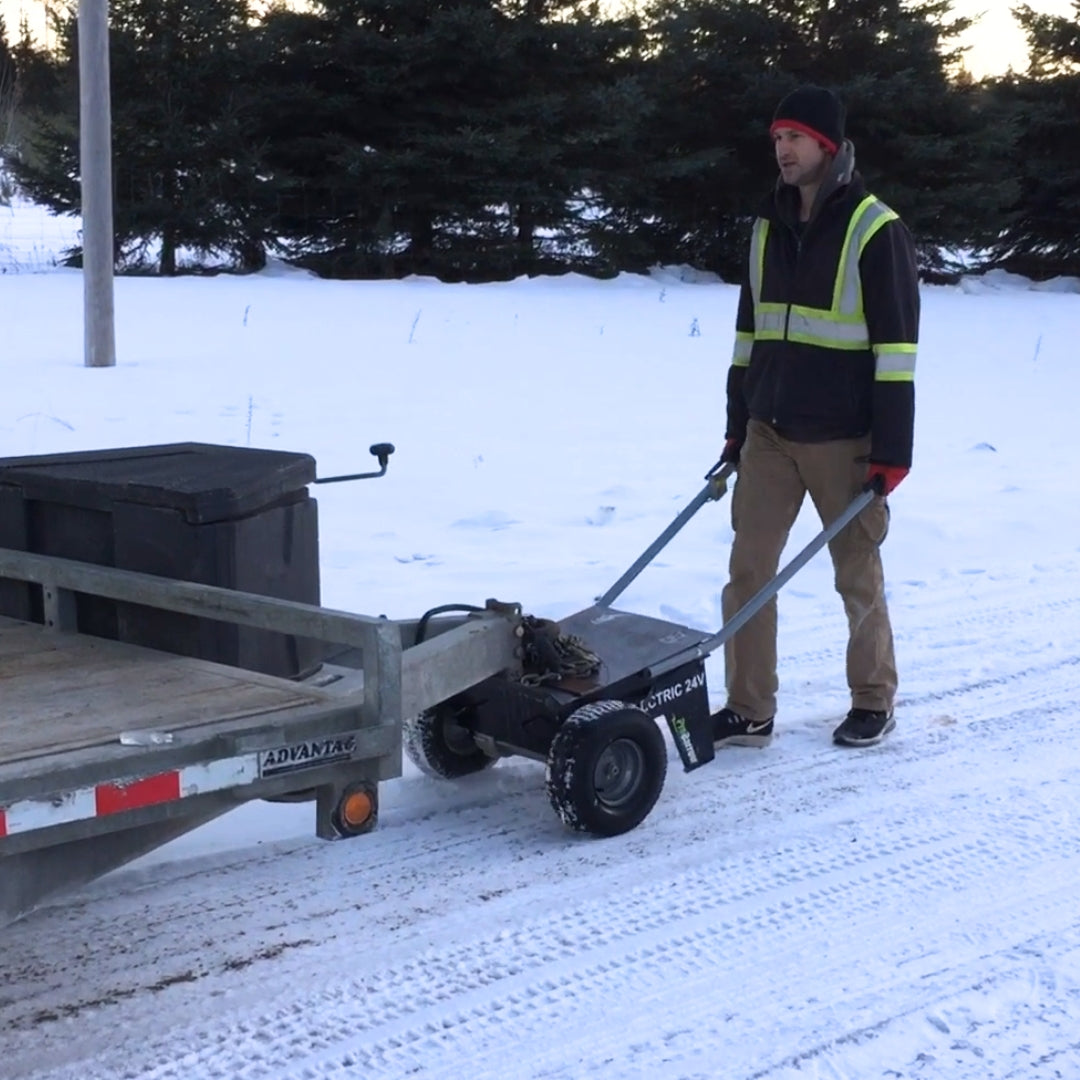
(774, 476)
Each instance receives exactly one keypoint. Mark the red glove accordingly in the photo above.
(885, 479)
(732, 449)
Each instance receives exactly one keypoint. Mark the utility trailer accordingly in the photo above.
(109, 749)
(163, 658)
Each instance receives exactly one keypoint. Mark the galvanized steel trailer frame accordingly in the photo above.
(51, 836)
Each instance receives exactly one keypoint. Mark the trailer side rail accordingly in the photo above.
(53, 799)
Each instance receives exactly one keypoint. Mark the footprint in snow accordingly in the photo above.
(602, 515)
(492, 519)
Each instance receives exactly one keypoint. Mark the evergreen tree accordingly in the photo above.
(185, 169)
(435, 136)
(934, 148)
(29, 87)
(42, 86)
(1042, 238)
(8, 105)
(565, 129)
(721, 66)
(7, 74)
(351, 93)
(185, 172)
(44, 164)
(702, 162)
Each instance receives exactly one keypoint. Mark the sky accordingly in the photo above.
(801, 911)
(996, 42)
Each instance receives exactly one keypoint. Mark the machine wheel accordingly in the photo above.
(439, 745)
(606, 768)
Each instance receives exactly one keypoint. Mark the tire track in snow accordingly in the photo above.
(987, 1024)
(131, 941)
(282, 904)
(489, 993)
(183, 932)
(223, 900)
(736, 1023)
(932, 637)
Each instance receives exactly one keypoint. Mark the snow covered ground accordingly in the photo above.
(907, 911)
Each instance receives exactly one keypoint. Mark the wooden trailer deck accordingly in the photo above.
(67, 691)
(66, 697)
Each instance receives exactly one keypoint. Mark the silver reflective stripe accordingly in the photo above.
(814, 327)
(744, 344)
(769, 321)
(895, 363)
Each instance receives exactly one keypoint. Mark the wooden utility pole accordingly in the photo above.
(95, 168)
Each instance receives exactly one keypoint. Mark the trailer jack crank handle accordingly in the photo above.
(381, 450)
(714, 489)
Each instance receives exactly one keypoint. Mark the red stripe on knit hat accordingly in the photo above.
(806, 129)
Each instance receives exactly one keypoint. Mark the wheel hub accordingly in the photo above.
(618, 772)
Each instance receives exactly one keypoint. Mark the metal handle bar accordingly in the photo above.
(717, 484)
(770, 588)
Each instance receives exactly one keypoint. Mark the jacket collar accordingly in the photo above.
(782, 203)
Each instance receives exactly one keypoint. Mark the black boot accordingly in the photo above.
(864, 727)
(731, 729)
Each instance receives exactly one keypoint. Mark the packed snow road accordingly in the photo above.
(907, 911)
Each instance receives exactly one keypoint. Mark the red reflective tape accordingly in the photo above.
(113, 798)
(3, 823)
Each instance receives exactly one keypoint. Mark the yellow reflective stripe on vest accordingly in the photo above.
(842, 326)
(895, 362)
(870, 215)
(758, 239)
(744, 343)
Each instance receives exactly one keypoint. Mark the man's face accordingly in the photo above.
(802, 159)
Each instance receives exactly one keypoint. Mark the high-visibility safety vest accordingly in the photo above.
(843, 324)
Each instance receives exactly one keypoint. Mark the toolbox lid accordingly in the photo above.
(203, 481)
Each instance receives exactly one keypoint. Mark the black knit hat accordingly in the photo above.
(815, 111)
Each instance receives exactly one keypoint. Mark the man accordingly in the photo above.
(821, 399)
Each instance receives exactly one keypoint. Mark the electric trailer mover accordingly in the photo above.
(593, 686)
